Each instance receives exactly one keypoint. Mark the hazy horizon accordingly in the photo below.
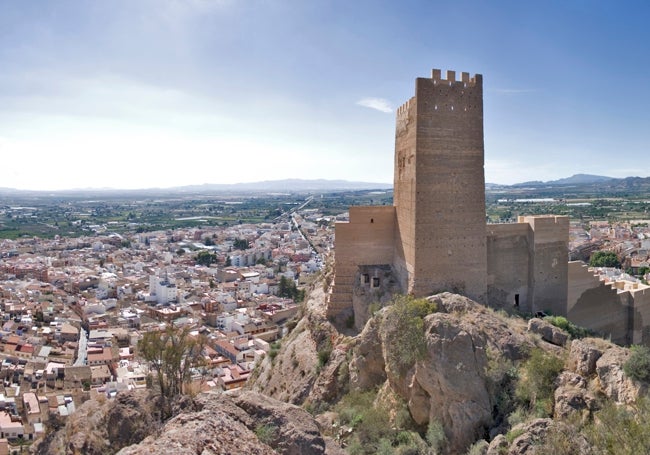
(325, 184)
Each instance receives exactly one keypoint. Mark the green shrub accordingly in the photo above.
(637, 366)
(621, 430)
(519, 415)
(354, 404)
(535, 386)
(291, 325)
(514, 434)
(275, 349)
(563, 323)
(478, 448)
(561, 439)
(373, 431)
(501, 378)
(436, 437)
(266, 433)
(324, 354)
(404, 330)
(374, 307)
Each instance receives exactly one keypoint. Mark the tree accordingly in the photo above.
(208, 241)
(604, 259)
(240, 244)
(206, 258)
(172, 354)
(287, 288)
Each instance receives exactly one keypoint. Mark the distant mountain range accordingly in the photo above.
(281, 186)
(592, 183)
(583, 184)
(576, 179)
(287, 185)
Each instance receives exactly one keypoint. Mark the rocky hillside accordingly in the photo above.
(248, 423)
(439, 375)
(208, 424)
(102, 426)
(471, 380)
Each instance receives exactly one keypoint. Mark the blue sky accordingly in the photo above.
(159, 93)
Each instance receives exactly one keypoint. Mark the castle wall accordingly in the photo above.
(404, 193)
(367, 239)
(641, 316)
(549, 270)
(440, 187)
(508, 252)
(596, 305)
(435, 237)
(528, 264)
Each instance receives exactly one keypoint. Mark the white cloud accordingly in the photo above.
(379, 104)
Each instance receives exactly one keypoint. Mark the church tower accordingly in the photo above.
(439, 188)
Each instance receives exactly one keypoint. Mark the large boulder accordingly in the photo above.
(548, 331)
(207, 431)
(613, 381)
(101, 426)
(248, 423)
(450, 384)
(367, 367)
(572, 396)
(297, 431)
(584, 354)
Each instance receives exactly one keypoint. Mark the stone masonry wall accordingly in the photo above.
(508, 252)
(440, 186)
(366, 240)
(549, 268)
(598, 306)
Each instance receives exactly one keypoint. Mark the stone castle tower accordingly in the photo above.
(434, 238)
(439, 188)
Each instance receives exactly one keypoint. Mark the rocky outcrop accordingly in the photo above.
(102, 426)
(248, 423)
(572, 396)
(613, 381)
(503, 334)
(312, 364)
(548, 332)
(529, 435)
(449, 385)
(211, 423)
(297, 431)
(584, 354)
(367, 367)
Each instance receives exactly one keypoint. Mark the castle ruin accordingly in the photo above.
(435, 238)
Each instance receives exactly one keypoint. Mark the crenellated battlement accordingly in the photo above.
(436, 76)
(404, 107)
